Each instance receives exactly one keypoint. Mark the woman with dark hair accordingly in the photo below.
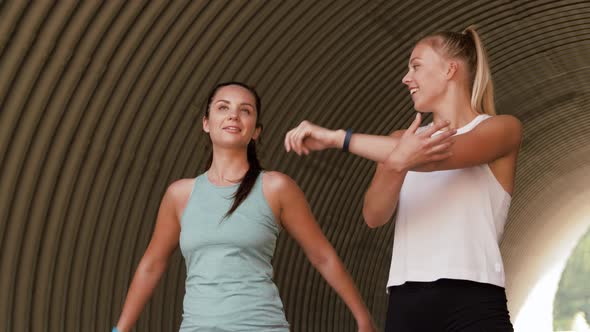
(226, 222)
(451, 188)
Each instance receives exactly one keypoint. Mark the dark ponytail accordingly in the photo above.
(254, 168)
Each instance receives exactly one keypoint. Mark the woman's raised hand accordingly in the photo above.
(307, 137)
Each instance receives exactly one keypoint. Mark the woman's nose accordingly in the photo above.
(233, 114)
(406, 79)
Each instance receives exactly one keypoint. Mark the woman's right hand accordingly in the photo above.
(307, 137)
(416, 149)
(368, 327)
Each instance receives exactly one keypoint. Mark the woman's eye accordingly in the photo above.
(245, 110)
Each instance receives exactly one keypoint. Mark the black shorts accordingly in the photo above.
(448, 306)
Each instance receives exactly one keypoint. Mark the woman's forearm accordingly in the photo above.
(142, 286)
(338, 278)
(373, 147)
(382, 196)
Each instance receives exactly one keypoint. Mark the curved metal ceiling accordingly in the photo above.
(100, 110)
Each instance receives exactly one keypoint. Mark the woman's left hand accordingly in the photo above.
(415, 149)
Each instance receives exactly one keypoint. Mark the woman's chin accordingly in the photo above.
(231, 144)
(421, 108)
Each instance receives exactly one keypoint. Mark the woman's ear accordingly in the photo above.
(257, 132)
(205, 124)
(452, 68)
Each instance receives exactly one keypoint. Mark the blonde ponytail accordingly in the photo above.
(482, 92)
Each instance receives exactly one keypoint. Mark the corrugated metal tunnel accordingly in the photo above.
(100, 106)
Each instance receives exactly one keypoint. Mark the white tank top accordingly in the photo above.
(449, 225)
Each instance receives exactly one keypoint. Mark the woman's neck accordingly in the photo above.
(228, 165)
(455, 108)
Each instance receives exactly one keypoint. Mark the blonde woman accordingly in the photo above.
(451, 187)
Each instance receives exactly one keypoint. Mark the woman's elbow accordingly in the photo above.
(373, 223)
(372, 220)
(322, 258)
(152, 267)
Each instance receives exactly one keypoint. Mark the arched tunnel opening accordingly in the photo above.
(101, 106)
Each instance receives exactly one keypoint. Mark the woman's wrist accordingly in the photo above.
(364, 321)
(393, 164)
(337, 138)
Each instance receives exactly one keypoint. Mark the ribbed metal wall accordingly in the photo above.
(100, 106)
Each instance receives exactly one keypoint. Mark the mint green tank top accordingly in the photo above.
(229, 284)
